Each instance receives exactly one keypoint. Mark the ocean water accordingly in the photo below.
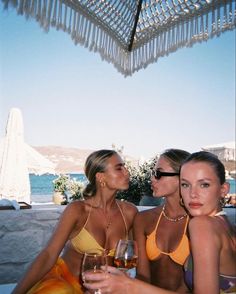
(42, 186)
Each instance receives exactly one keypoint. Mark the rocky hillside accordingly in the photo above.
(71, 160)
(67, 160)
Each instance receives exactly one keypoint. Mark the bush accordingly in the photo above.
(67, 186)
(140, 182)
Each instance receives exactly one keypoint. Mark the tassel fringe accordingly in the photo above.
(90, 33)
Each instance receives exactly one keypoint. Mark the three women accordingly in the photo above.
(210, 266)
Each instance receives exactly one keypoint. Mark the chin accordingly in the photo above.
(156, 195)
(124, 188)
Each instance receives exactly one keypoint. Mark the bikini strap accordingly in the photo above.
(122, 214)
(158, 221)
(186, 224)
(88, 216)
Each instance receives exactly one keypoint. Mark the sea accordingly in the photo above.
(42, 186)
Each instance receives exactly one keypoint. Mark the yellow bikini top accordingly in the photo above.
(85, 242)
(179, 255)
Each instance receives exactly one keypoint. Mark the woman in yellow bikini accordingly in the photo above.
(97, 222)
(161, 232)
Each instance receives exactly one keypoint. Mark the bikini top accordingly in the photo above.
(179, 255)
(85, 242)
(227, 283)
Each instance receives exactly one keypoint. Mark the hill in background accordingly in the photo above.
(66, 159)
(71, 160)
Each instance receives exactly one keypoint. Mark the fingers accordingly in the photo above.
(93, 277)
(93, 286)
(114, 270)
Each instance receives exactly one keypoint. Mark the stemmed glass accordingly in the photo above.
(94, 262)
(126, 256)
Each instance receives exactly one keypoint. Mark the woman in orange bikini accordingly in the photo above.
(97, 222)
(161, 231)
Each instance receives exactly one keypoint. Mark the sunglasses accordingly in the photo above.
(158, 174)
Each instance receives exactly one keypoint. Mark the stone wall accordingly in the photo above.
(23, 234)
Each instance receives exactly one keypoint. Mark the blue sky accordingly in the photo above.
(69, 97)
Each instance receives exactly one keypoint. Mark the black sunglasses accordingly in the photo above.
(158, 174)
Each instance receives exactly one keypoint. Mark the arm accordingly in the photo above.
(116, 282)
(143, 267)
(205, 247)
(48, 256)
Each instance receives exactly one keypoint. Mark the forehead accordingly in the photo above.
(114, 160)
(197, 168)
(162, 162)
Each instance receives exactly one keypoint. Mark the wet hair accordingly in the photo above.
(212, 160)
(95, 163)
(175, 157)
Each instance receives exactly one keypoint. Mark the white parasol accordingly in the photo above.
(17, 159)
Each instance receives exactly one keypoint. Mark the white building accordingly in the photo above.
(225, 151)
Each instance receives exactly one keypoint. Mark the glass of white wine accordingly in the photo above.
(126, 256)
(94, 262)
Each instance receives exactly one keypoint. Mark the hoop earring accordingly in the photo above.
(181, 202)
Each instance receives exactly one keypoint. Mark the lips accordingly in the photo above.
(195, 205)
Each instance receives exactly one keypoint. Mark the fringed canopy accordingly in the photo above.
(132, 33)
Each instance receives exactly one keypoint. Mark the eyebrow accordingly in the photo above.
(200, 180)
(120, 164)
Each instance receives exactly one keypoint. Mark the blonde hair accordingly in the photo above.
(96, 162)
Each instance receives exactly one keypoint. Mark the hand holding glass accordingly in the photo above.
(94, 262)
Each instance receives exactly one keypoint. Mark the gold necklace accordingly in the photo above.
(108, 219)
(172, 219)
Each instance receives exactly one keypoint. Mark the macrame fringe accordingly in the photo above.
(86, 31)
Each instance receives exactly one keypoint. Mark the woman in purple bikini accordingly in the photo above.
(212, 237)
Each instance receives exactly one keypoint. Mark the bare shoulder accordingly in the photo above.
(77, 207)
(200, 223)
(205, 228)
(148, 215)
(128, 207)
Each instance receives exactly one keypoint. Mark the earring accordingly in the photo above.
(181, 202)
(103, 184)
(222, 202)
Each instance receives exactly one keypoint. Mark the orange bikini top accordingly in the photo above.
(179, 255)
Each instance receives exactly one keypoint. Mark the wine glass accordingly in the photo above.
(126, 256)
(94, 262)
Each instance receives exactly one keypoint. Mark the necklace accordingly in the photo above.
(106, 215)
(172, 219)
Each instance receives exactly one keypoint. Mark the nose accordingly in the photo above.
(193, 192)
(126, 172)
(153, 179)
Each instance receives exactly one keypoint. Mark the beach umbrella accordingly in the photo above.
(17, 160)
(132, 33)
